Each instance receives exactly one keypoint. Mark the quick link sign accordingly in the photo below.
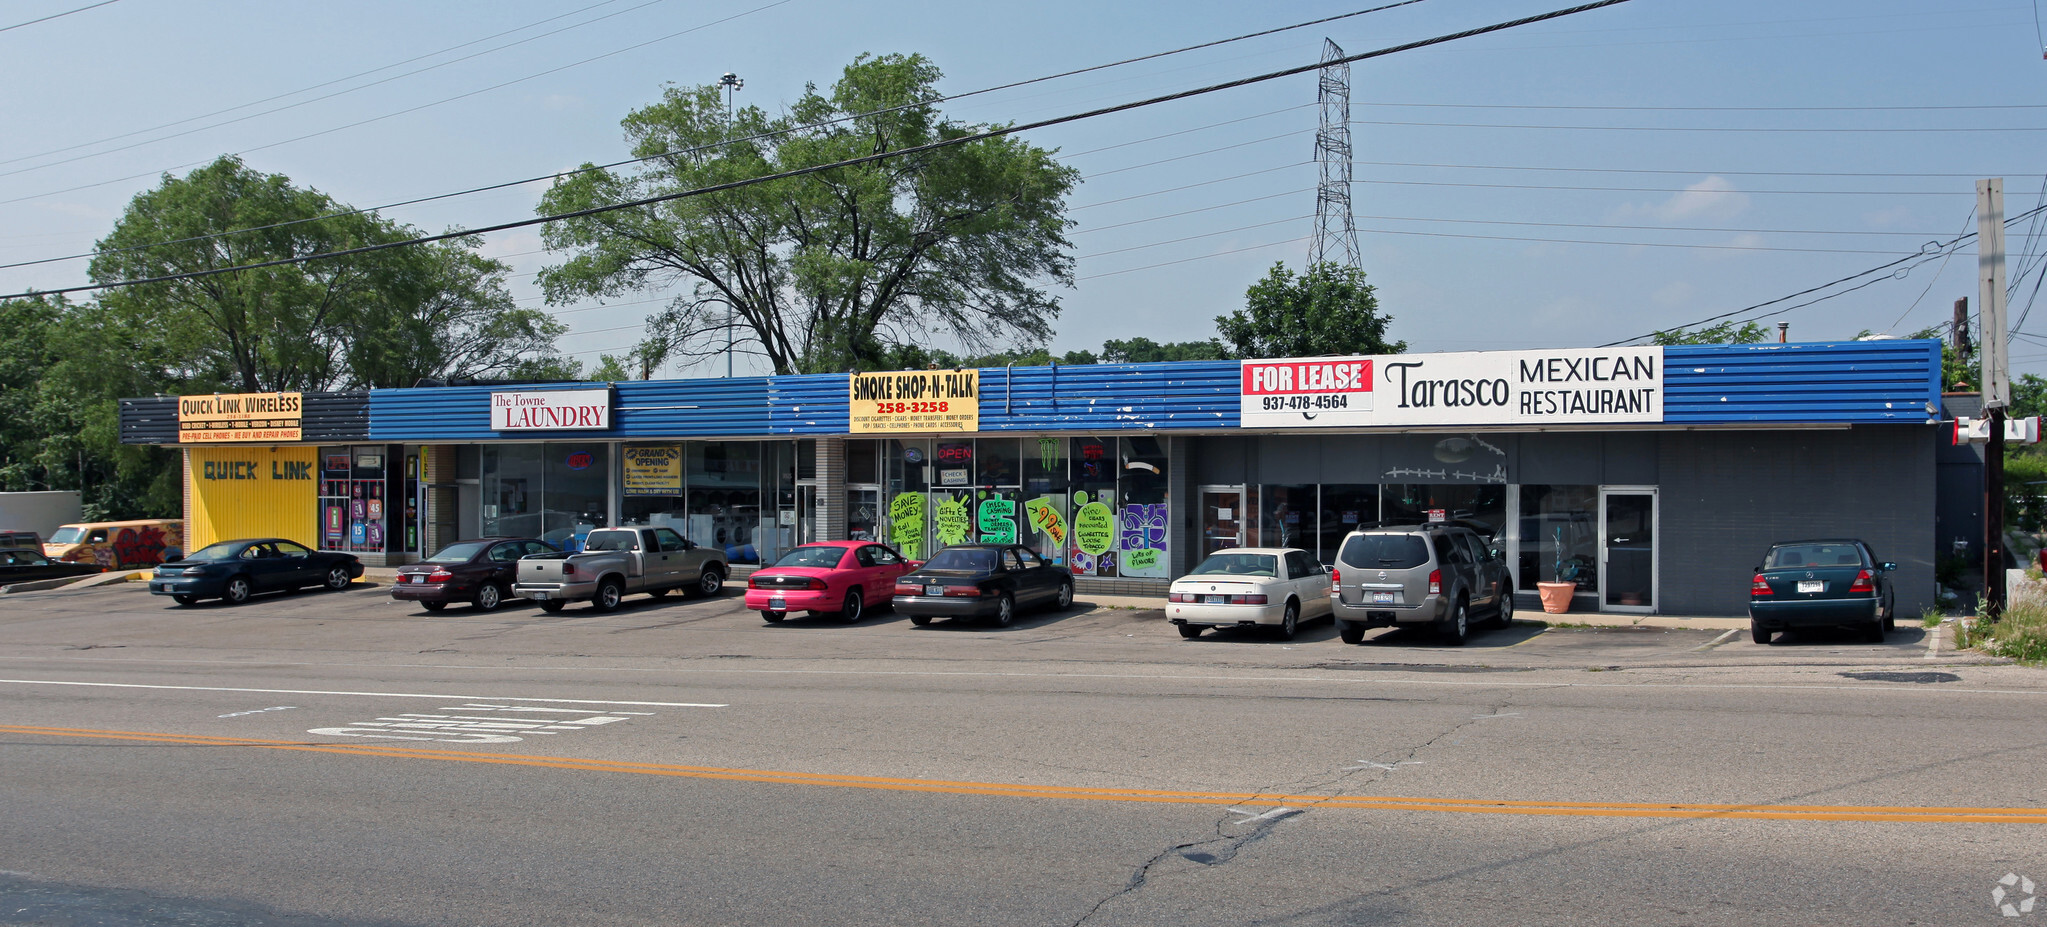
(1560, 387)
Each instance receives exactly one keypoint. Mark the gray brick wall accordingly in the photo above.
(1727, 495)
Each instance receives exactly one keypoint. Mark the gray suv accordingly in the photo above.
(1419, 574)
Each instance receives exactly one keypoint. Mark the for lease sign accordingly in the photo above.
(1556, 387)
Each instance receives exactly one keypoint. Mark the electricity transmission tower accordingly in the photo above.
(1336, 232)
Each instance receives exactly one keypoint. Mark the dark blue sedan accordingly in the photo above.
(234, 570)
(1831, 583)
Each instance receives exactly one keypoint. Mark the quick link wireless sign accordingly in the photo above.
(1560, 387)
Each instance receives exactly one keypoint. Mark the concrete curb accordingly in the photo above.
(1566, 620)
(86, 581)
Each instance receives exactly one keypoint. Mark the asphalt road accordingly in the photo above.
(339, 759)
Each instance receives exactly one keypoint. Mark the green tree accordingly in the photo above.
(1144, 351)
(379, 319)
(1723, 333)
(1328, 310)
(833, 270)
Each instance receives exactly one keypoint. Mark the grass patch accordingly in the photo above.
(2019, 634)
(1930, 618)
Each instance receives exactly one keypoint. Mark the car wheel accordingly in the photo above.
(1890, 618)
(609, 594)
(1350, 632)
(186, 600)
(1290, 621)
(1504, 615)
(1457, 627)
(1190, 631)
(551, 606)
(774, 617)
(1005, 610)
(709, 583)
(1758, 633)
(853, 609)
(920, 620)
(337, 578)
(236, 591)
(1065, 596)
(433, 606)
(1874, 634)
(489, 597)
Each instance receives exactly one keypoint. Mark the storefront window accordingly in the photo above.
(724, 502)
(1047, 513)
(513, 487)
(905, 486)
(556, 492)
(1559, 535)
(1144, 513)
(651, 479)
(1094, 524)
(997, 462)
(1345, 506)
(1287, 516)
(778, 476)
(1484, 504)
(353, 511)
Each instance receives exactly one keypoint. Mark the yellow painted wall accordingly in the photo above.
(253, 492)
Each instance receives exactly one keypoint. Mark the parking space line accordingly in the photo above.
(1715, 642)
(1933, 640)
(1538, 633)
(444, 696)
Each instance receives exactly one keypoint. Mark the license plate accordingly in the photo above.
(1812, 585)
(934, 590)
(1382, 598)
(542, 596)
(1215, 599)
(778, 604)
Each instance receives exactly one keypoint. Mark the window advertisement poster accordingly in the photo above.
(653, 469)
(220, 417)
(915, 402)
(906, 524)
(996, 517)
(1141, 535)
(1094, 534)
(1550, 387)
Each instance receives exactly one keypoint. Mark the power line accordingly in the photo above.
(328, 83)
(865, 159)
(763, 136)
(52, 16)
(1796, 129)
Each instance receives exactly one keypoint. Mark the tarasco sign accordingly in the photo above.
(916, 401)
(553, 410)
(223, 417)
(1560, 387)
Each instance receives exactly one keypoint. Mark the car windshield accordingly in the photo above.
(1385, 551)
(1240, 564)
(69, 534)
(824, 557)
(225, 550)
(1807, 556)
(962, 558)
(459, 552)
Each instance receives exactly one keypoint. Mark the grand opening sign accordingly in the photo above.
(1560, 387)
(553, 410)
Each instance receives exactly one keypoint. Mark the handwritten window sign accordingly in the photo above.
(553, 410)
(1466, 388)
(223, 417)
(915, 402)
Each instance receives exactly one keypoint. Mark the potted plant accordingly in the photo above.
(1556, 593)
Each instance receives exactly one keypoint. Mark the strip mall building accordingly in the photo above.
(1651, 477)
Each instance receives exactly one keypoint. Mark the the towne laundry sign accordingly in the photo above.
(915, 402)
(222, 417)
(554, 410)
(1560, 387)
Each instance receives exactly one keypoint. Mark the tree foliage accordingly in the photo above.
(1328, 310)
(834, 270)
(385, 318)
(1724, 333)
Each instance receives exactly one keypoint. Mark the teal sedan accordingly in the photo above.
(1833, 583)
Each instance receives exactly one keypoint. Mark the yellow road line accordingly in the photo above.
(1873, 813)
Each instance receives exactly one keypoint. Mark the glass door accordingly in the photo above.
(806, 513)
(1222, 518)
(1627, 575)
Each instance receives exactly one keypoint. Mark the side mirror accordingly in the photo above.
(1495, 553)
(1887, 566)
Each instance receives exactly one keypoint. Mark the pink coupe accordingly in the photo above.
(842, 578)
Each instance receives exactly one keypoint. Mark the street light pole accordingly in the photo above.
(732, 83)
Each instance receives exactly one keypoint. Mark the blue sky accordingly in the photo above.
(1570, 183)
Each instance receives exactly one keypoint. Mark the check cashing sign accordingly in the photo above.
(1560, 387)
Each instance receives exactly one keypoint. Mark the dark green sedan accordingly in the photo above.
(1832, 583)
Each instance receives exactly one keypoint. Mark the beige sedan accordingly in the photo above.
(1275, 587)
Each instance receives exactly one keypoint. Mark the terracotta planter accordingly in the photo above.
(1556, 597)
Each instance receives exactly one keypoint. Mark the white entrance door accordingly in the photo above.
(1627, 549)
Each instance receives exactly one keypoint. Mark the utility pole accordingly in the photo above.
(1996, 382)
(731, 82)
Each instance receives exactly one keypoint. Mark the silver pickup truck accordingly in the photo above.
(618, 561)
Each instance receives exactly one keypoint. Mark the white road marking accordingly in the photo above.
(1933, 641)
(1387, 767)
(257, 711)
(494, 698)
(1255, 815)
(1504, 714)
(466, 729)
